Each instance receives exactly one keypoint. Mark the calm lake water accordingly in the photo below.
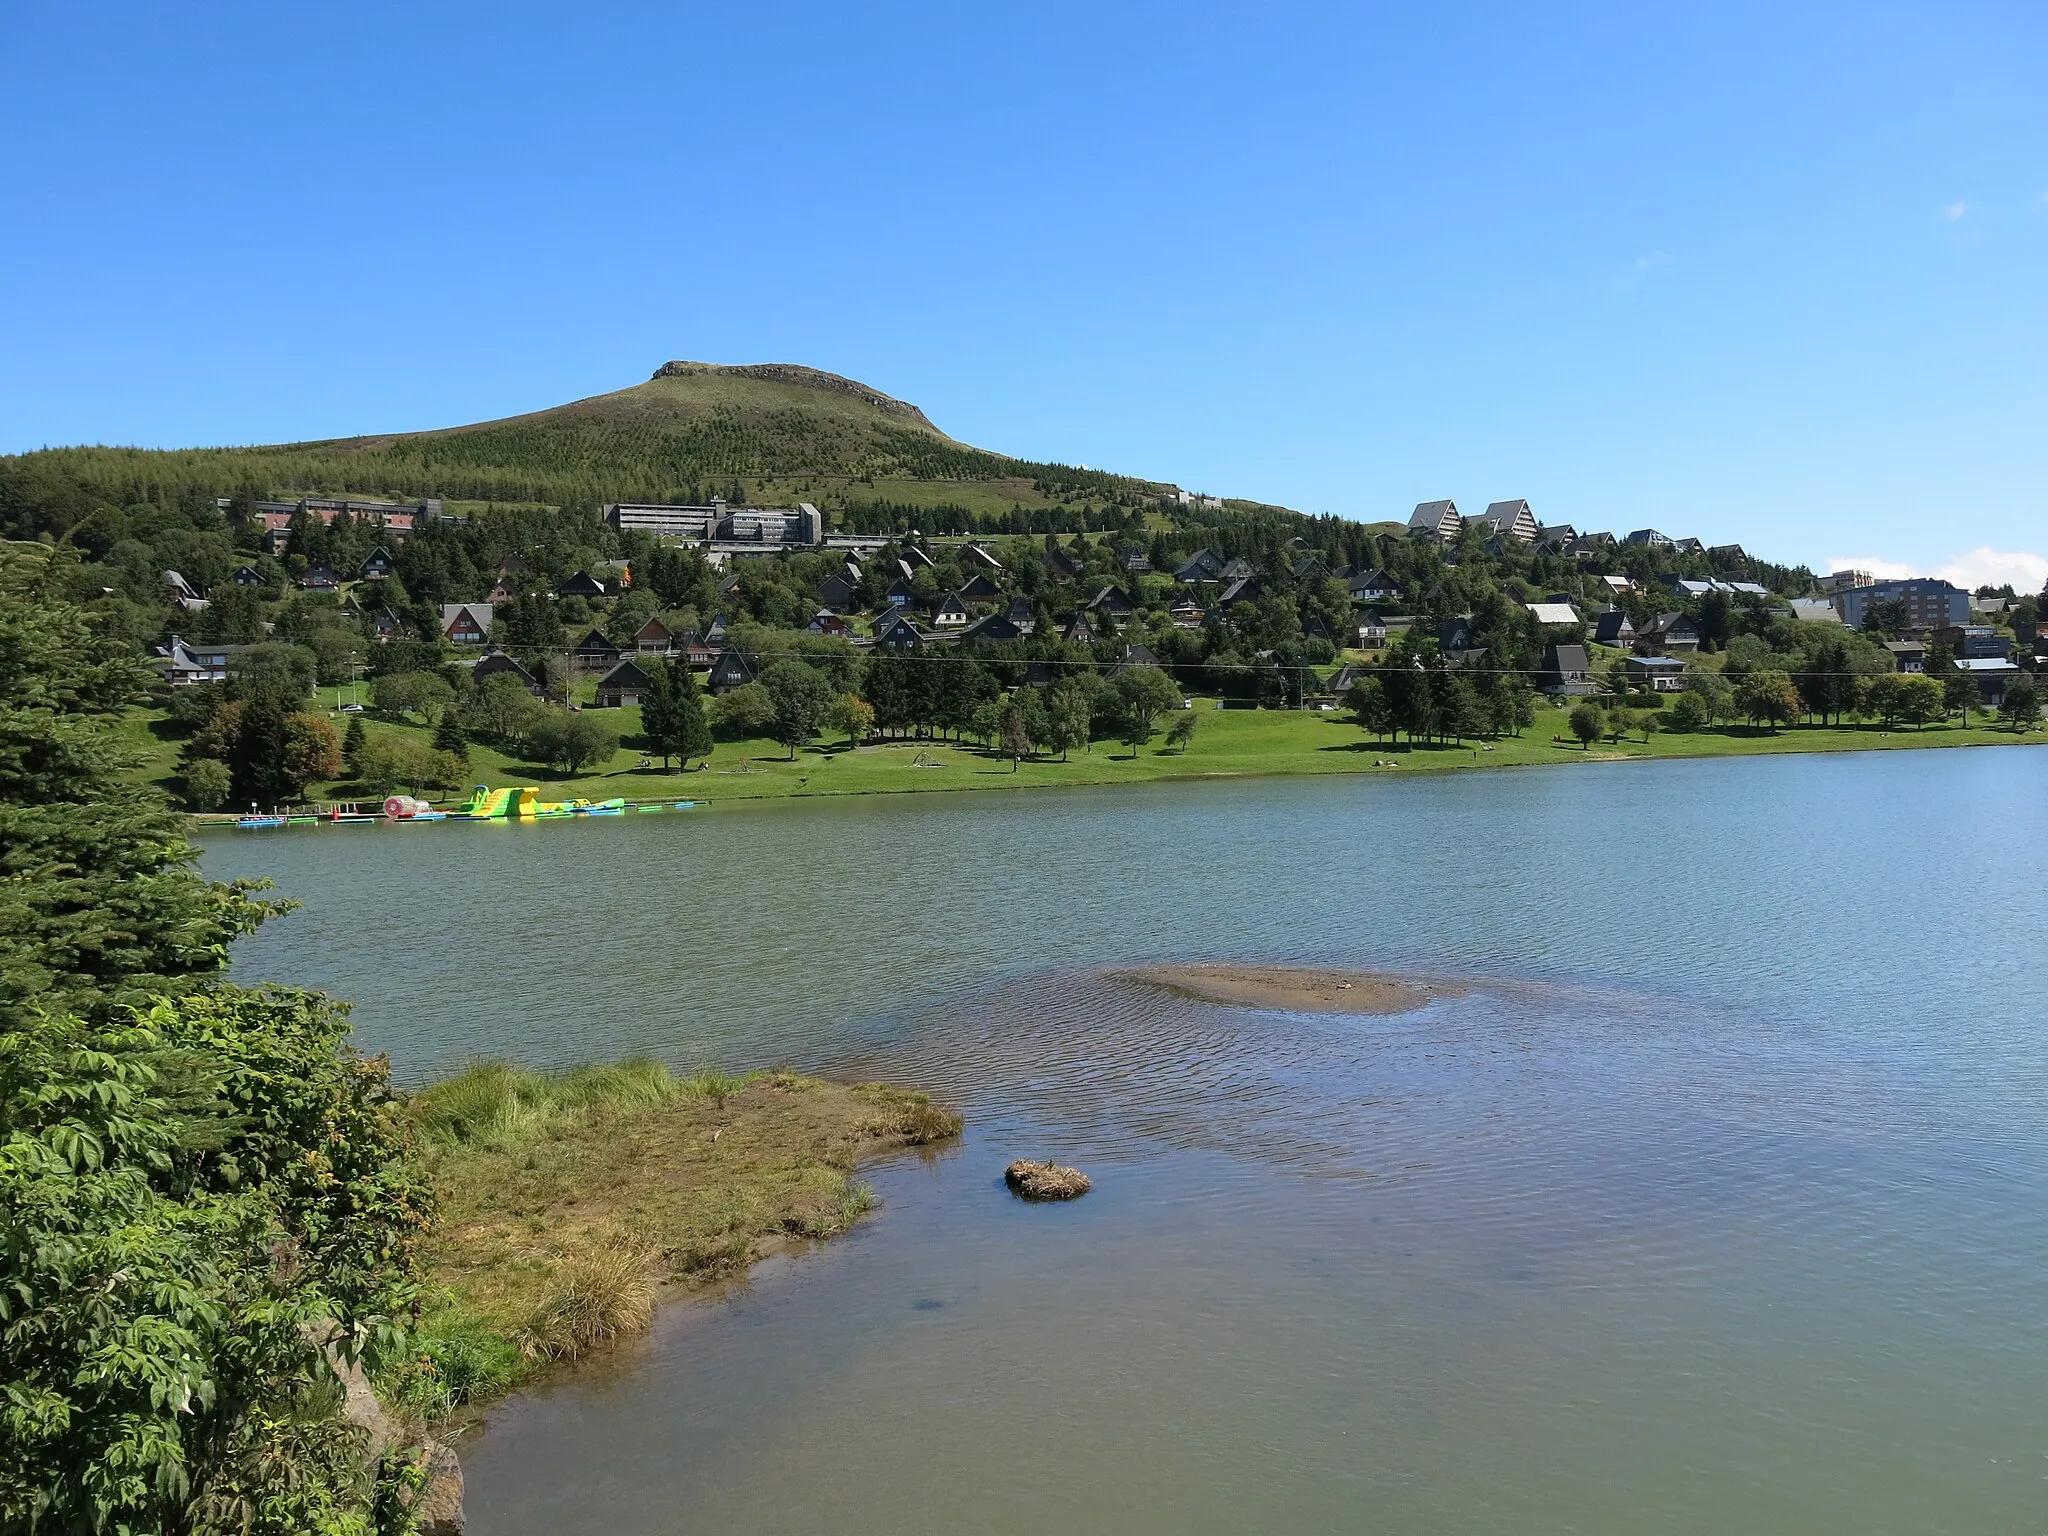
(1719, 1204)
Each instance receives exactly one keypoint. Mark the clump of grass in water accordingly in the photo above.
(454, 1360)
(597, 1297)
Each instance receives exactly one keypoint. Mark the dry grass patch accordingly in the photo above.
(569, 1202)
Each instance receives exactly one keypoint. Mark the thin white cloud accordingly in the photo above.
(2022, 570)
(1954, 211)
(1642, 267)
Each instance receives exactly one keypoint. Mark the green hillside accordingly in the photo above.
(764, 433)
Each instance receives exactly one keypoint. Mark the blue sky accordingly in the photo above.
(1768, 272)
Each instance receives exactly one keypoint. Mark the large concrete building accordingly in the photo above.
(1931, 603)
(719, 523)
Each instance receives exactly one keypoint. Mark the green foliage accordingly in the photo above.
(195, 1201)
(672, 715)
(748, 710)
(97, 905)
(1587, 722)
(801, 697)
(207, 784)
(1181, 733)
(1142, 695)
(570, 739)
(1768, 697)
(2022, 706)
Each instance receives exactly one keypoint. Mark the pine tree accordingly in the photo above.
(352, 743)
(448, 736)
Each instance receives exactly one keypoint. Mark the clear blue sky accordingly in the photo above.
(1773, 272)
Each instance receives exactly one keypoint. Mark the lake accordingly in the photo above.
(1719, 1202)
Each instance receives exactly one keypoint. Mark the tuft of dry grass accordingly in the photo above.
(594, 1297)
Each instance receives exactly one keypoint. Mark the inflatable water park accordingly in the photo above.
(519, 802)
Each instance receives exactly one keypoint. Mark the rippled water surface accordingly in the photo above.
(1717, 1203)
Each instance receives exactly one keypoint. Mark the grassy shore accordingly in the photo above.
(569, 1204)
(1228, 743)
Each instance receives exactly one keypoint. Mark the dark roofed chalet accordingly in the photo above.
(1134, 656)
(1200, 566)
(493, 662)
(1243, 590)
(1062, 564)
(1078, 631)
(838, 592)
(1023, 613)
(626, 683)
(896, 633)
(993, 629)
(594, 653)
(1110, 599)
(1236, 570)
(1437, 520)
(729, 671)
(979, 589)
(1613, 627)
(1566, 669)
(582, 584)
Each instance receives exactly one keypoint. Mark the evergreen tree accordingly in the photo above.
(448, 736)
(352, 743)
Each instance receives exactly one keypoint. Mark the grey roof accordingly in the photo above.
(1429, 516)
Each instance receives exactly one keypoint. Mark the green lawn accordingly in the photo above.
(1228, 743)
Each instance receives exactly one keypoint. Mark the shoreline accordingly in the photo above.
(1467, 760)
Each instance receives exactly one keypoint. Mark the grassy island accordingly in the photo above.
(569, 1203)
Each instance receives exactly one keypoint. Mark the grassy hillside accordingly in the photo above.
(766, 432)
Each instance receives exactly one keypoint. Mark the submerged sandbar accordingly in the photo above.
(1293, 988)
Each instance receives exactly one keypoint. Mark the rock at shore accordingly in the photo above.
(1045, 1181)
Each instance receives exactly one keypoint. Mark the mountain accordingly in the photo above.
(765, 433)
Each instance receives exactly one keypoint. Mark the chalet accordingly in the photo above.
(1669, 634)
(1455, 636)
(1649, 538)
(1908, 655)
(1200, 566)
(1588, 546)
(615, 575)
(1345, 678)
(994, 629)
(1613, 627)
(183, 593)
(949, 612)
(1110, 600)
(1618, 585)
(582, 584)
(1684, 588)
(1659, 674)
(350, 606)
(1566, 671)
(1023, 613)
(386, 625)
(1370, 630)
(1135, 562)
(654, 638)
(466, 623)
(505, 591)
(729, 585)
(695, 651)
(594, 653)
(902, 592)
(1992, 674)
(1078, 631)
(975, 555)
(839, 593)
(826, 622)
(1726, 556)
(1374, 586)
(1815, 610)
(1560, 614)
(1688, 547)
(979, 589)
(915, 558)
(626, 683)
(320, 579)
(376, 563)
(1506, 522)
(512, 565)
(1436, 520)
(1308, 567)
(896, 633)
(1555, 536)
(248, 576)
(1062, 564)
(729, 671)
(1314, 628)
(184, 664)
(715, 632)
(1245, 589)
(494, 661)
(1186, 614)
(1133, 656)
